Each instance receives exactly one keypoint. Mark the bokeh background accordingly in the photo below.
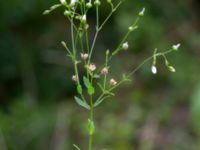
(153, 112)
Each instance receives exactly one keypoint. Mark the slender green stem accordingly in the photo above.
(134, 71)
(99, 27)
(91, 118)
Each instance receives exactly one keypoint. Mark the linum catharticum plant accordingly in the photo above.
(81, 51)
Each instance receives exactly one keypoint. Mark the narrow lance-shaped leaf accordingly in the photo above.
(86, 82)
(82, 103)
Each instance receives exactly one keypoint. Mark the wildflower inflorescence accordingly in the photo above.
(77, 10)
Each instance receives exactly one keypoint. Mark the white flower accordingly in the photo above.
(92, 67)
(73, 2)
(154, 69)
(63, 1)
(141, 13)
(125, 46)
(84, 18)
(74, 78)
(84, 56)
(104, 71)
(113, 82)
(176, 47)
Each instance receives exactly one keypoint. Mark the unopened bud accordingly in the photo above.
(97, 3)
(46, 12)
(113, 82)
(74, 78)
(89, 5)
(92, 67)
(125, 46)
(141, 13)
(131, 28)
(63, 2)
(171, 68)
(153, 69)
(84, 56)
(83, 19)
(104, 71)
(176, 47)
(109, 1)
(73, 2)
(67, 13)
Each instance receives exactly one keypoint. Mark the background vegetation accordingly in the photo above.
(154, 112)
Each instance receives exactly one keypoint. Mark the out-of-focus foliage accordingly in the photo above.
(37, 110)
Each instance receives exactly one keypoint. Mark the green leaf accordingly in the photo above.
(86, 82)
(79, 89)
(81, 103)
(91, 127)
(76, 147)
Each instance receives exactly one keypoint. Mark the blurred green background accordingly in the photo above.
(154, 112)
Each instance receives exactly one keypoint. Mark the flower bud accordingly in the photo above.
(84, 56)
(109, 1)
(67, 13)
(97, 3)
(104, 71)
(46, 12)
(131, 28)
(141, 13)
(113, 82)
(83, 19)
(73, 2)
(154, 69)
(176, 47)
(74, 78)
(171, 68)
(125, 46)
(92, 67)
(55, 6)
(63, 2)
(89, 5)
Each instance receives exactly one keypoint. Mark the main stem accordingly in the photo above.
(91, 118)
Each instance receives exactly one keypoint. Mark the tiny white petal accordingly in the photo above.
(84, 18)
(125, 46)
(141, 13)
(154, 69)
(62, 1)
(176, 47)
(73, 2)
